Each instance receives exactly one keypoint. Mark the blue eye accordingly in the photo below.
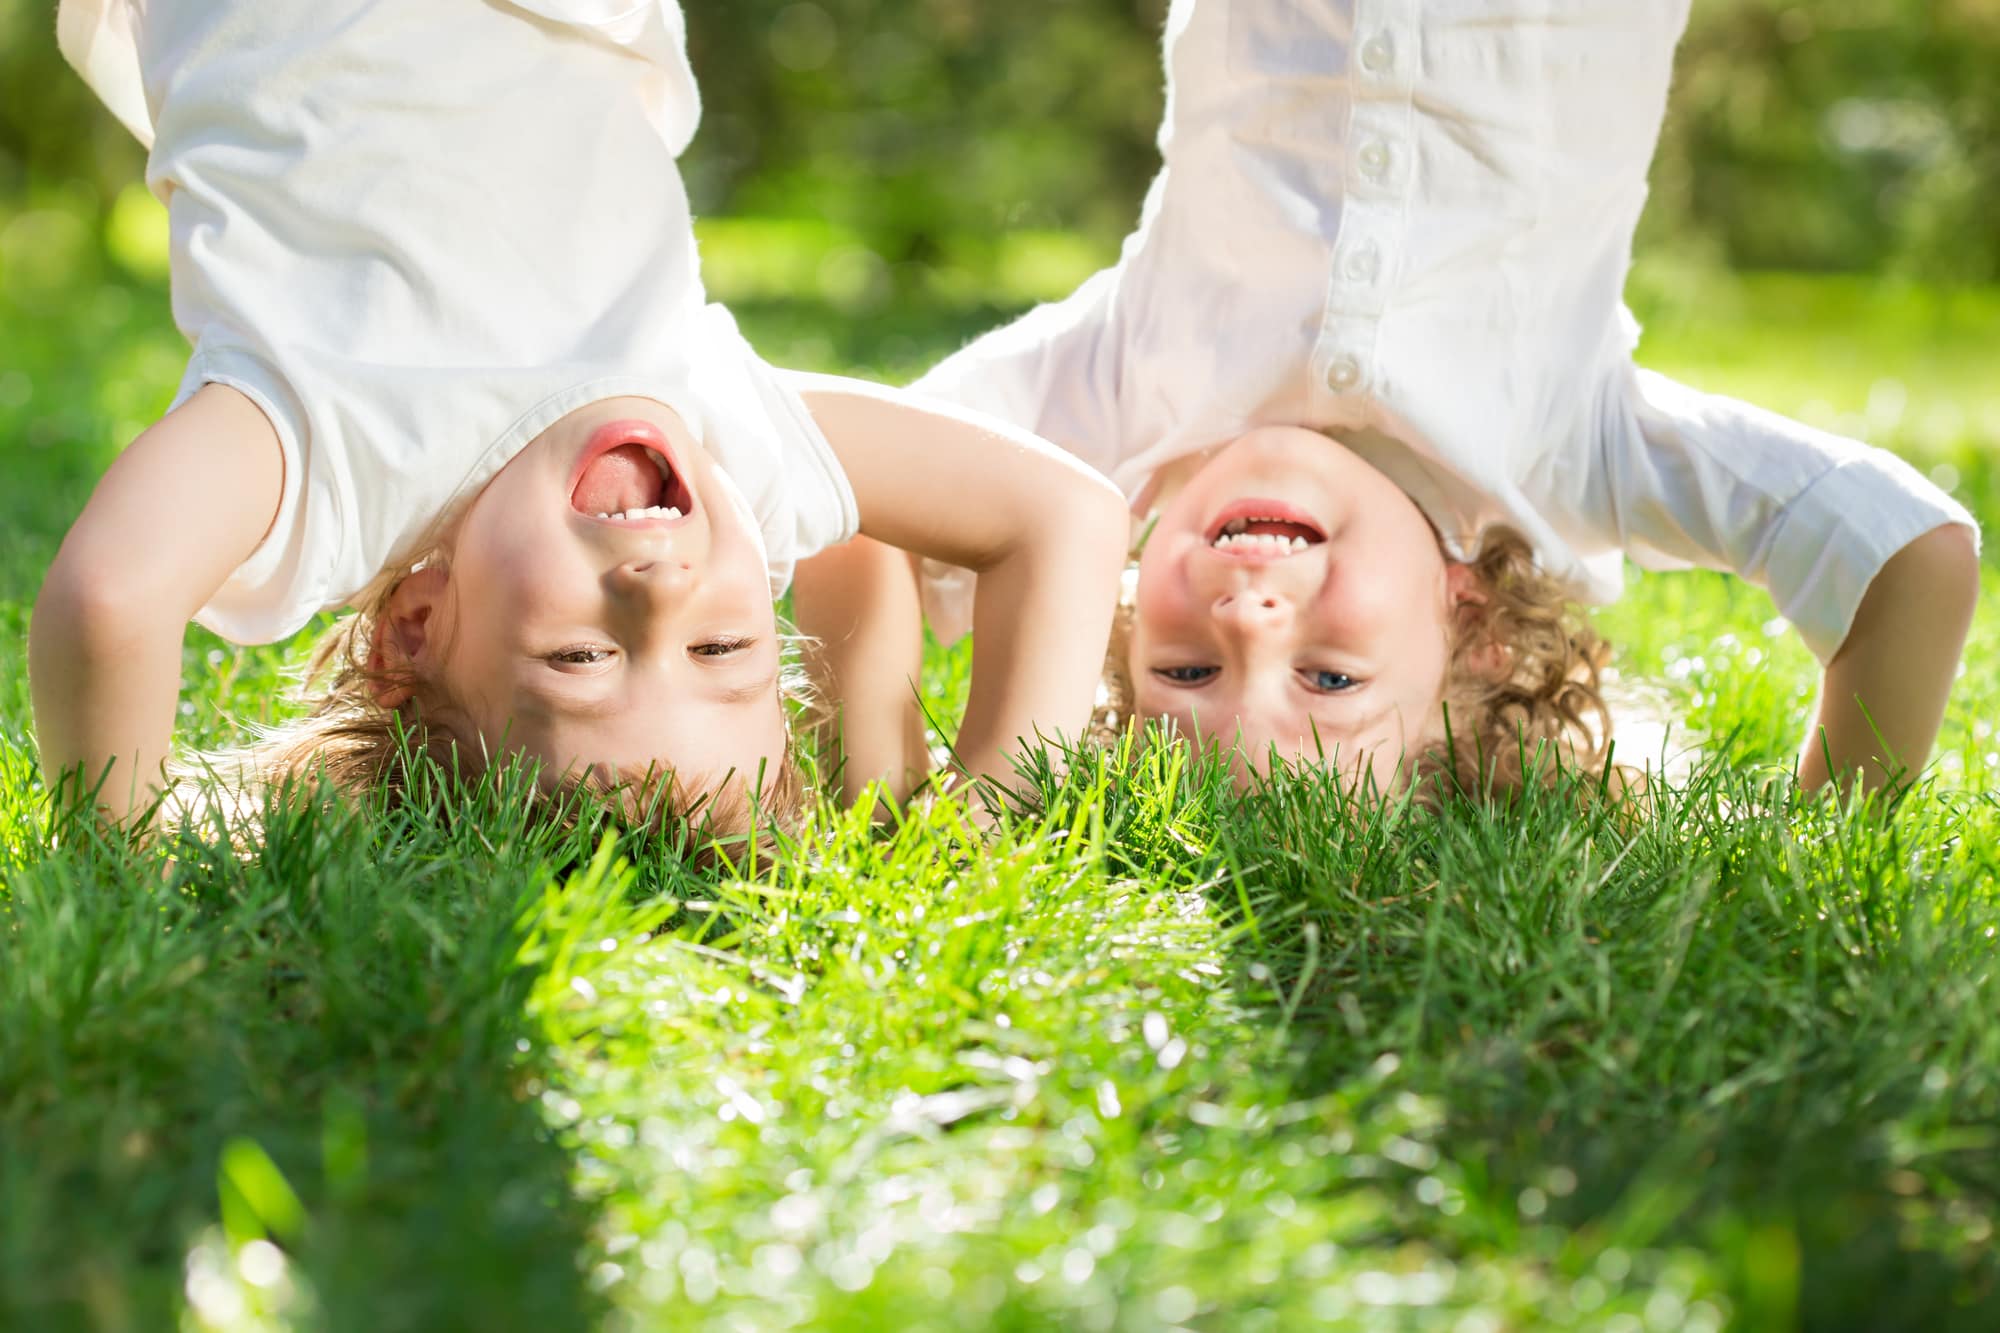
(1186, 675)
(1328, 682)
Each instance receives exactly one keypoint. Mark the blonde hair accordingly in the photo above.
(1523, 694)
(358, 746)
(1522, 691)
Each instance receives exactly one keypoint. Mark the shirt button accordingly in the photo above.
(1343, 374)
(1374, 159)
(1365, 263)
(1378, 53)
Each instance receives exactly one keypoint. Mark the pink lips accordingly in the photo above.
(1261, 507)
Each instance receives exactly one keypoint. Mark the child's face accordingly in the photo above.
(1290, 595)
(618, 643)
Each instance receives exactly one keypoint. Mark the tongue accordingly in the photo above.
(617, 480)
(1281, 528)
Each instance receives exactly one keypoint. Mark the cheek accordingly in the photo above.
(1161, 596)
(516, 548)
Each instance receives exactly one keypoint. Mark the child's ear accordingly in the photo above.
(403, 642)
(1469, 598)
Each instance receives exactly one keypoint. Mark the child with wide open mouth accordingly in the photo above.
(454, 371)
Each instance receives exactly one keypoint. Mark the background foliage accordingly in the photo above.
(1840, 135)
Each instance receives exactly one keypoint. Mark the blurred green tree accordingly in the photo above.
(1839, 134)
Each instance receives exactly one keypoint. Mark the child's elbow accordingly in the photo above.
(1949, 557)
(1107, 519)
(89, 603)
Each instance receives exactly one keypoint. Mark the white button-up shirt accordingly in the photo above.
(1408, 223)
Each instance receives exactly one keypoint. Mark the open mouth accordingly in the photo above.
(627, 475)
(1258, 527)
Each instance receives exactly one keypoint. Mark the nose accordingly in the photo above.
(1250, 611)
(653, 580)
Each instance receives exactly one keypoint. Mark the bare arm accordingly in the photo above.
(1044, 532)
(860, 605)
(1885, 690)
(185, 504)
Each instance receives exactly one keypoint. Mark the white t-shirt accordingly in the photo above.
(417, 233)
(1409, 225)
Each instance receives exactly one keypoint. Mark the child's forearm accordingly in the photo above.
(1885, 690)
(105, 678)
(858, 604)
(1045, 534)
(1068, 592)
(185, 504)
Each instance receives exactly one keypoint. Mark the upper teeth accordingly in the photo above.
(650, 511)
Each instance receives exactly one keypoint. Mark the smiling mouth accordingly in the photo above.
(1264, 528)
(627, 476)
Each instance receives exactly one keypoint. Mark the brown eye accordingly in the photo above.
(580, 656)
(721, 647)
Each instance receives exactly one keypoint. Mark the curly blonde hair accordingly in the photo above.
(359, 747)
(1522, 692)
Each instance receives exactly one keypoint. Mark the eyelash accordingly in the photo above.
(586, 655)
(1173, 674)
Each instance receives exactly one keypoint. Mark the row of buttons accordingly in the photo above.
(1362, 266)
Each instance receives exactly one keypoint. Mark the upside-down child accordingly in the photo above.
(1365, 374)
(453, 367)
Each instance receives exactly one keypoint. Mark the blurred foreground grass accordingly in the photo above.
(1155, 1057)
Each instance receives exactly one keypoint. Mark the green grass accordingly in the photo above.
(1154, 1057)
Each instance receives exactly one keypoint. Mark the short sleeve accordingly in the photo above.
(1690, 478)
(284, 582)
(100, 40)
(755, 425)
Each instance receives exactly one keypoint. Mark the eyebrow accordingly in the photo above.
(566, 704)
(1351, 729)
(599, 706)
(744, 693)
(1318, 727)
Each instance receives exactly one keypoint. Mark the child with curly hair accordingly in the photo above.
(1365, 373)
(453, 367)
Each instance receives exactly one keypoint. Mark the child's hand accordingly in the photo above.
(179, 510)
(1046, 535)
(1885, 690)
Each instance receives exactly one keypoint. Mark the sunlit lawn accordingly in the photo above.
(1157, 1057)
